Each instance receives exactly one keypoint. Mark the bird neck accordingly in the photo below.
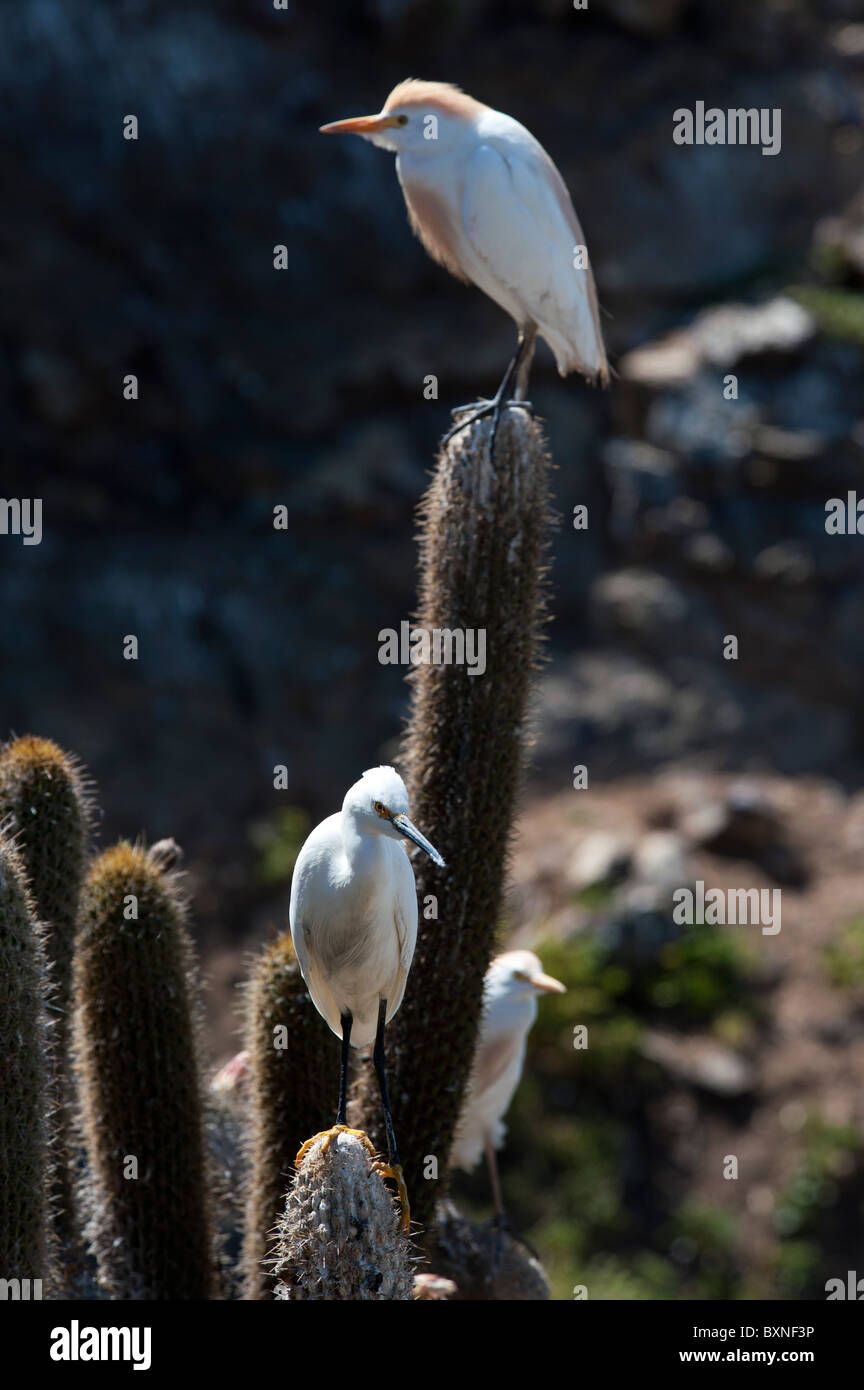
(363, 850)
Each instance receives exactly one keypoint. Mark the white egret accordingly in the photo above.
(513, 985)
(488, 203)
(353, 917)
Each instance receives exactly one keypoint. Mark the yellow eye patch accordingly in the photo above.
(381, 810)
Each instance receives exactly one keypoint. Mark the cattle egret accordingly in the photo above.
(353, 917)
(513, 984)
(488, 203)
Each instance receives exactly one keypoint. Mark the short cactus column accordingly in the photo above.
(45, 799)
(24, 1094)
(339, 1237)
(293, 1081)
(136, 1044)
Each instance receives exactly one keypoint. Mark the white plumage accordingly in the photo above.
(353, 911)
(353, 918)
(514, 982)
(487, 202)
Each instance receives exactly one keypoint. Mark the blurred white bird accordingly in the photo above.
(488, 203)
(353, 918)
(513, 984)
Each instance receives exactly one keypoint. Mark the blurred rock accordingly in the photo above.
(661, 860)
(638, 927)
(700, 1062)
(721, 338)
(484, 1264)
(600, 859)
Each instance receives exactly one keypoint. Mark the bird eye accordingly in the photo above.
(403, 120)
(380, 809)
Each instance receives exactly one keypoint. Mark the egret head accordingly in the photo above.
(519, 975)
(417, 117)
(378, 805)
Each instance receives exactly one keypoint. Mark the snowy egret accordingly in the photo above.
(353, 917)
(513, 984)
(488, 203)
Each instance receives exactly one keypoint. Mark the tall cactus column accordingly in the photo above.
(483, 536)
(45, 801)
(135, 1032)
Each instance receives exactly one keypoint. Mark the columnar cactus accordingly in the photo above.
(136, 1046)
(45, 800)
(339, 1238)
(483, 538)
(24, 1093)
(293, 1083)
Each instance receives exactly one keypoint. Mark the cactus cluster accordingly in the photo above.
(99, 1006)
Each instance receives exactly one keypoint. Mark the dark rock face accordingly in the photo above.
(304, 388)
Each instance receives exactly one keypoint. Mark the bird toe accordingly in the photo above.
(394, 1171)
(327, 1136)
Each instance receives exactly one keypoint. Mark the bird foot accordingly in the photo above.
(479, 411)
(394, 1171)
(328, 1135)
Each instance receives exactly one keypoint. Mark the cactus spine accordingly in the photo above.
(24, 1094)
(292, 1093)
(482, 546)
(339, 1237)
(136, 1047)
(46, 801)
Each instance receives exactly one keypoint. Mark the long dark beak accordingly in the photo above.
(404, 826)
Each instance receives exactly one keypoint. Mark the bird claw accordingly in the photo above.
(328, 1135)
(473, 405)
(394, 1171)
(478, 411)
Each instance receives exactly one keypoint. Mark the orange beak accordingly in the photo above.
(359, 125)
(548, 985)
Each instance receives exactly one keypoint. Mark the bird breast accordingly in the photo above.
(354, 927)
(433, 217)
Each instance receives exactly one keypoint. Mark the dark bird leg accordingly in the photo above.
(392, 1168)
(347, 1019)
(341, 1127)
(495, 1184)
(499, 1220)
(515, 380)
(523, 370)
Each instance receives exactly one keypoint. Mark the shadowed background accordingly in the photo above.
(304, 387)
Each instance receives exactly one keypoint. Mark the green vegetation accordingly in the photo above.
(277, 840)
(844, 956)
(838, 312)
(580, 1128)
(824, 1195)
